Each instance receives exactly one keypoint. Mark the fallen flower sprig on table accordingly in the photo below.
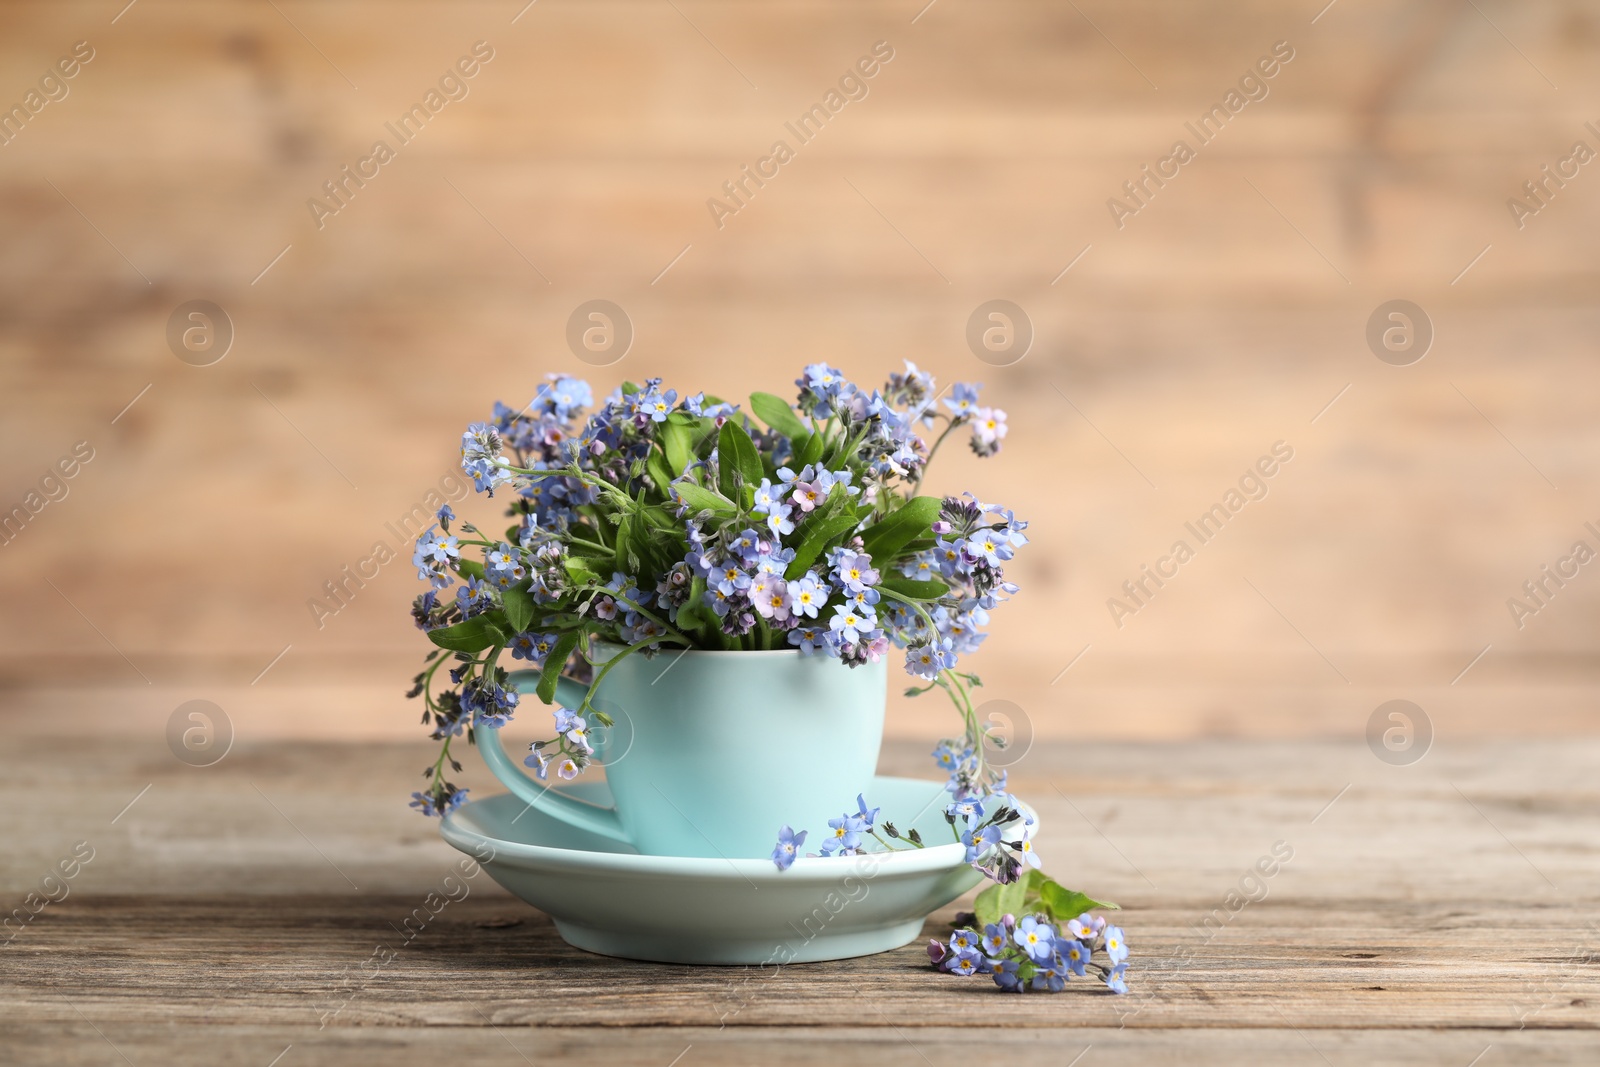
(1029, 942)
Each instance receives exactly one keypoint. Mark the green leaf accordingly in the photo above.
(736, 452)
(808, 452)
(579, 571)
(1064, 903)
(776, 413)
(677, 441)
(520, 608)
(694, 611)
(553, 663)
(819, 533)
(629, 388)
(471, 635)
(885, 538)
(499, 626)
(580, 549)
(1000, 900)
(660, 473)
(915, 590)
(470, 568)
(628, 534)
(700, 498)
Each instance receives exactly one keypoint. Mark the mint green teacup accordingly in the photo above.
(713, 752)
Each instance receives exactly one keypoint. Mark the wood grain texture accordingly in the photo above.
(1426, 912)
(80, 1045)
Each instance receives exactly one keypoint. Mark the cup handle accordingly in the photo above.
(574, 812)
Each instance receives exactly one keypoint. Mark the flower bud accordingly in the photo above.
(942, 527)
(936, 951)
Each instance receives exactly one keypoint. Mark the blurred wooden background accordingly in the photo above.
(1222, 318)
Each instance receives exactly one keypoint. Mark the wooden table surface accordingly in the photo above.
(1429, 913)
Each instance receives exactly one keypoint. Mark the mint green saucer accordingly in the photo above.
(674, 909)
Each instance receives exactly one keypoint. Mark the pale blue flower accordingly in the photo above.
(963, 399)
(988, 430)
(578, 735)
(809, 639)
(788, 847)
(963, 963)
(1116, 947)
(968, 808)
(474, 598)
(980, 841)
(778, 520)
(1035, 938)
(850, 625)
(776, 561)
(808, 595)
(428, 804)
(747, 546)
(853, 569)
(991, 546)
(1005, 976)
(1049, 977)
(729, 578)
(847, 830)
(1074, 955)
(768, 497)
(926, 661)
